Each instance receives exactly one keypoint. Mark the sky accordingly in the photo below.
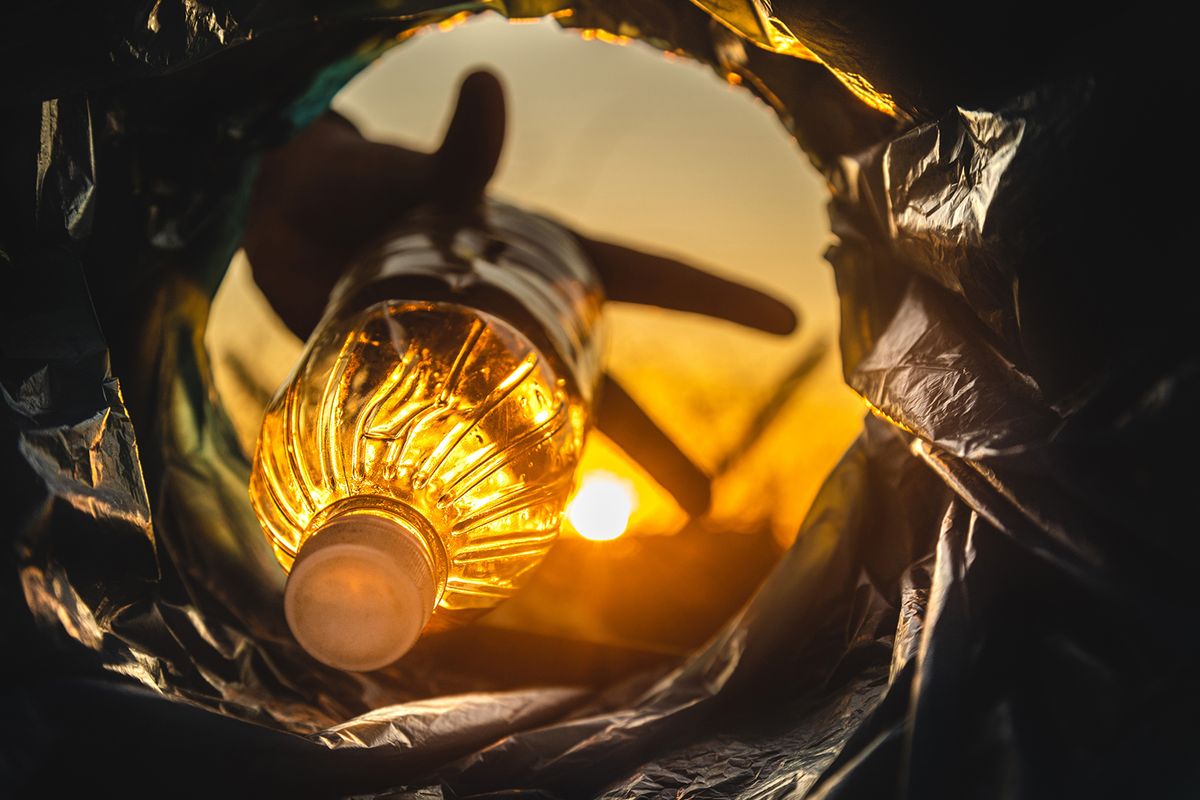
(628, 144)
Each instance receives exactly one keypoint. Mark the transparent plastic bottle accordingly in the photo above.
(417, 463)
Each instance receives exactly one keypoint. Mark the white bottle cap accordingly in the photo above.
(359, 593)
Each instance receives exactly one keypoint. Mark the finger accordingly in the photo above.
(632, 276)
(471, 149)
(622, 420)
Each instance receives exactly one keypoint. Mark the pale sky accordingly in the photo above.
(620, 141)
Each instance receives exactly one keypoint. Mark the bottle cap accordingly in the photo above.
(359, 593)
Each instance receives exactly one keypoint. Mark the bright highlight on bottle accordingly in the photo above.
(601, 508)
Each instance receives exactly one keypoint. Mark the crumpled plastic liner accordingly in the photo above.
(991, 596)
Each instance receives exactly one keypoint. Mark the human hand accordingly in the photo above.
(321, 197)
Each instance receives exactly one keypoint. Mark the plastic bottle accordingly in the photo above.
(417, 463)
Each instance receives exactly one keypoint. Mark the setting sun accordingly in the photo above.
(601, 508)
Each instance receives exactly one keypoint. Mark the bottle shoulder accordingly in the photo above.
(518, 266)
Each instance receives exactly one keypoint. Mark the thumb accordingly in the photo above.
(467, 159)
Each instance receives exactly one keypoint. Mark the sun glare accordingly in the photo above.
(601, 508)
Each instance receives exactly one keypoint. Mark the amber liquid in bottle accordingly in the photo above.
(418, 462)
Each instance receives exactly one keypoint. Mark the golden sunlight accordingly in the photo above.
(601, 508)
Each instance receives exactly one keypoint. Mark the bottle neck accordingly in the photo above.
(400, 514)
